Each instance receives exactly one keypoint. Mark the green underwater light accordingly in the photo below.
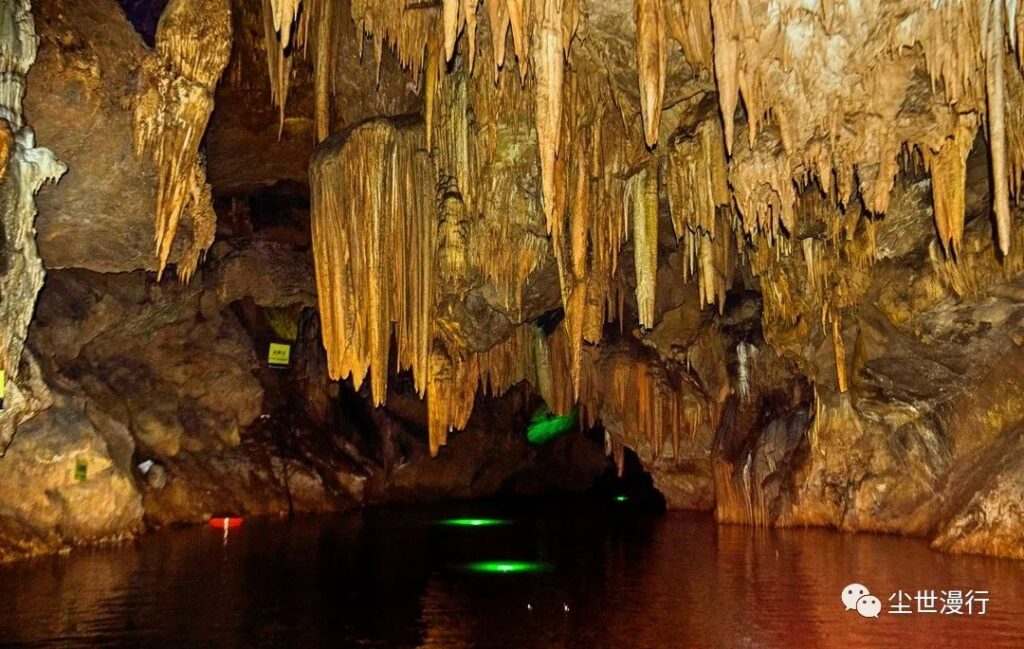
(505, 567)
(473, 522)
(544, 426)
(621, 499)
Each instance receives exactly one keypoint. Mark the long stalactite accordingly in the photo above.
(170, 116)
(789, 189)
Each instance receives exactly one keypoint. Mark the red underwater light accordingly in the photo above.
(226, 522)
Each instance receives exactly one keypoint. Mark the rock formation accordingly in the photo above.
(774, 249)
(24, 168)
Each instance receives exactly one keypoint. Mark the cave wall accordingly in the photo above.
(24, 169)
(784, 270)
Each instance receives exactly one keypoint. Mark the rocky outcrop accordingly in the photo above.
(795, 314)
(157, 412)
(490, 455)
(80, 94)
(163, 411)
(920, 443)
(24, 168)
(252, 143)
(67, 479)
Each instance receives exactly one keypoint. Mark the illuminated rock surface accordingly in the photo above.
(773, 249)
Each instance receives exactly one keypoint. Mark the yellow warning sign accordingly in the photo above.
(280, 355)
(81, 469)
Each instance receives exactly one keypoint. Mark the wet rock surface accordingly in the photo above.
(67, 479)
(161, 391)
(801, 320)
(81, 91)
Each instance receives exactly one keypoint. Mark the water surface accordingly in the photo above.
(611, 576)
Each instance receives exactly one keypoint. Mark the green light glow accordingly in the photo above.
(544, 426)
(506, 567)
(621, 499)
(473, 522)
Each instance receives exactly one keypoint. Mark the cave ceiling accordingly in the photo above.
(640, 168)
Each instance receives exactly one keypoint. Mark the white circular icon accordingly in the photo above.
(852, 593)
(869, 606)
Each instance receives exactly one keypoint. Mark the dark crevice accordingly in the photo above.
(144, 16)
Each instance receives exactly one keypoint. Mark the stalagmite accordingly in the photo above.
(170, 116)
(651, 61)
(744, 355)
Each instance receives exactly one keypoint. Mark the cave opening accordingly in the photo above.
(511, 323)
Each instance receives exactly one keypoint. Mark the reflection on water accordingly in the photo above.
(611, 578)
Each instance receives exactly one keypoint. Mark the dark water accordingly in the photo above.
(616, 578)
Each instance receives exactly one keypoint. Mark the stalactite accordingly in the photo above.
(451, 17)
(199, 209)
(828, 109)
(170, 115)
(710, 258)
(374, 237)
(452, 391)
(517, 17)
(279, 62)
(469, 8)
(559, 361)
(1015, 121)
(640, 404)
(548, 66)
(498, 22)
(996, 89)
(689, 22)
(948, 168)
(727, 54)
(642, 206)
(840, 351)
(574, 323)
(323, 66)
(432, 73)
(283, 14)
(696, 179)
(452, 136)
(651, 62)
